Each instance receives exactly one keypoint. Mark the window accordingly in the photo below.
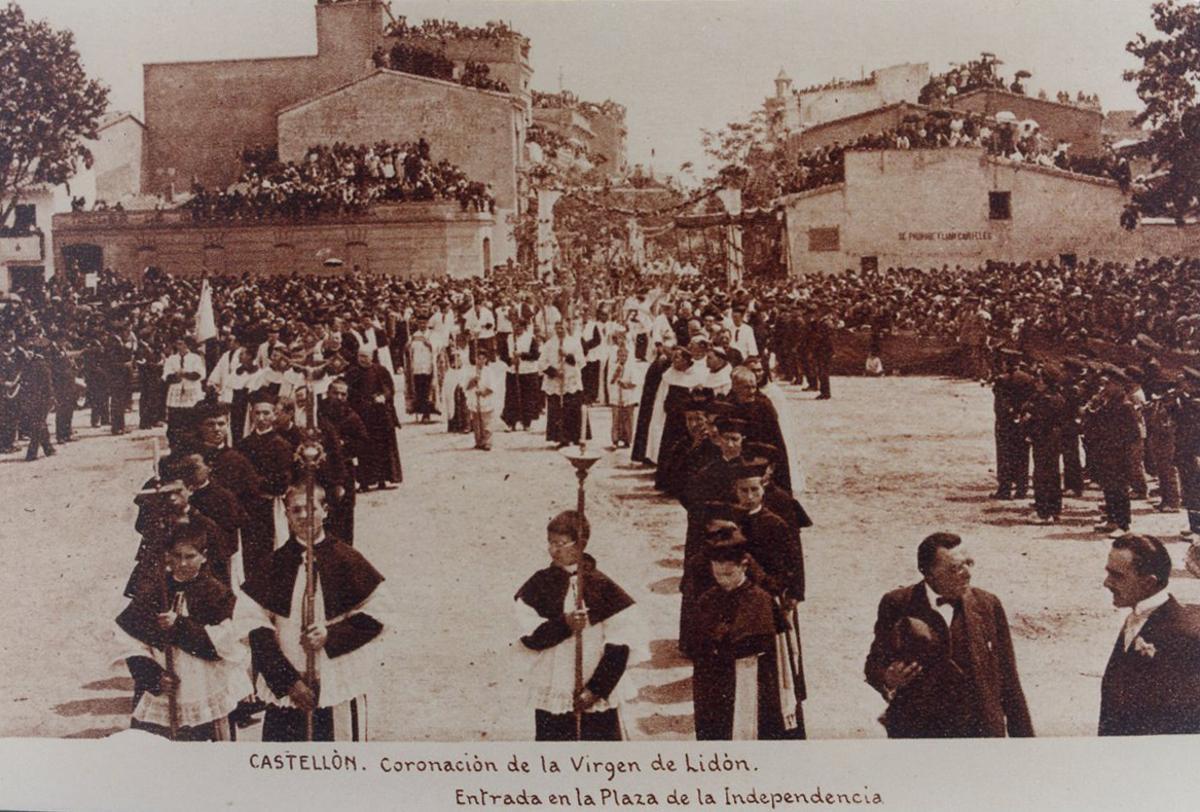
(824, 239)
(999, 205)
(25, 217)
(869, 264)
(1067, 260)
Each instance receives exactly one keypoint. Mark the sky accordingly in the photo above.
(678, 66)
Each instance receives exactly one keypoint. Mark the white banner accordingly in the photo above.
(547, 245)
(732, 200)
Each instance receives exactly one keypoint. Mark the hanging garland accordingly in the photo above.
(698, 197)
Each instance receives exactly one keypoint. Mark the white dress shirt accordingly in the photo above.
(946, 610)
(1140, 614)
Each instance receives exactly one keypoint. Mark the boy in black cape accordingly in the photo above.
(183, 607)
(344, 623)
(548, 618)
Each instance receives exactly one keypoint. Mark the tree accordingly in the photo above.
(748, 157)
(1167, 84)
(48, 105)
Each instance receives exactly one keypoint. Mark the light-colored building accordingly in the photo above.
(790, 110)
(597, 129)
(116, 173)
(27, 256)
(928, 208)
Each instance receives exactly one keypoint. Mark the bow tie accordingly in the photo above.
(955, 602)
(245, 370)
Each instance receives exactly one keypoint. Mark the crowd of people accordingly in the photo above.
(836, 84)
(431, 60)
(690, 371)
(975, 74)
(983, 74)
(1129, 421)
(938, 129)
(1028, 305)
(565, 99)
(338, 179)
(442, 30)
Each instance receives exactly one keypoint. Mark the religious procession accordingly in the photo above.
(422, 428)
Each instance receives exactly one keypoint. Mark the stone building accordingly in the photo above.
(410, 239)
(1078, 126)
(928, 208)
(790, 111)
(200, 116)
(597, 128)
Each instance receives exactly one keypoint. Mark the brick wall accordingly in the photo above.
(411, 240)
(199, 115)
(845, 130)
(1079, 127)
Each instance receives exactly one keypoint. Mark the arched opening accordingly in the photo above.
(487, 255)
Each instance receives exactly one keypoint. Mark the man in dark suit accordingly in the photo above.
(942, 656)
(1152, 682)
(821, 342)
(35, 398)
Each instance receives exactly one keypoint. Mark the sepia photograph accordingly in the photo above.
(670, 374)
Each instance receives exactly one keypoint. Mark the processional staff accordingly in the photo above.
(582, 460)
(168, 605)
(310, 454)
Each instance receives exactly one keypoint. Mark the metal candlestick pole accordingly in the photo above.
(582, 460)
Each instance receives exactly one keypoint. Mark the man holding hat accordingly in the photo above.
(961, 681)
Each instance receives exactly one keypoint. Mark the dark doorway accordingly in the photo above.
(27, 280)
(82, 259)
